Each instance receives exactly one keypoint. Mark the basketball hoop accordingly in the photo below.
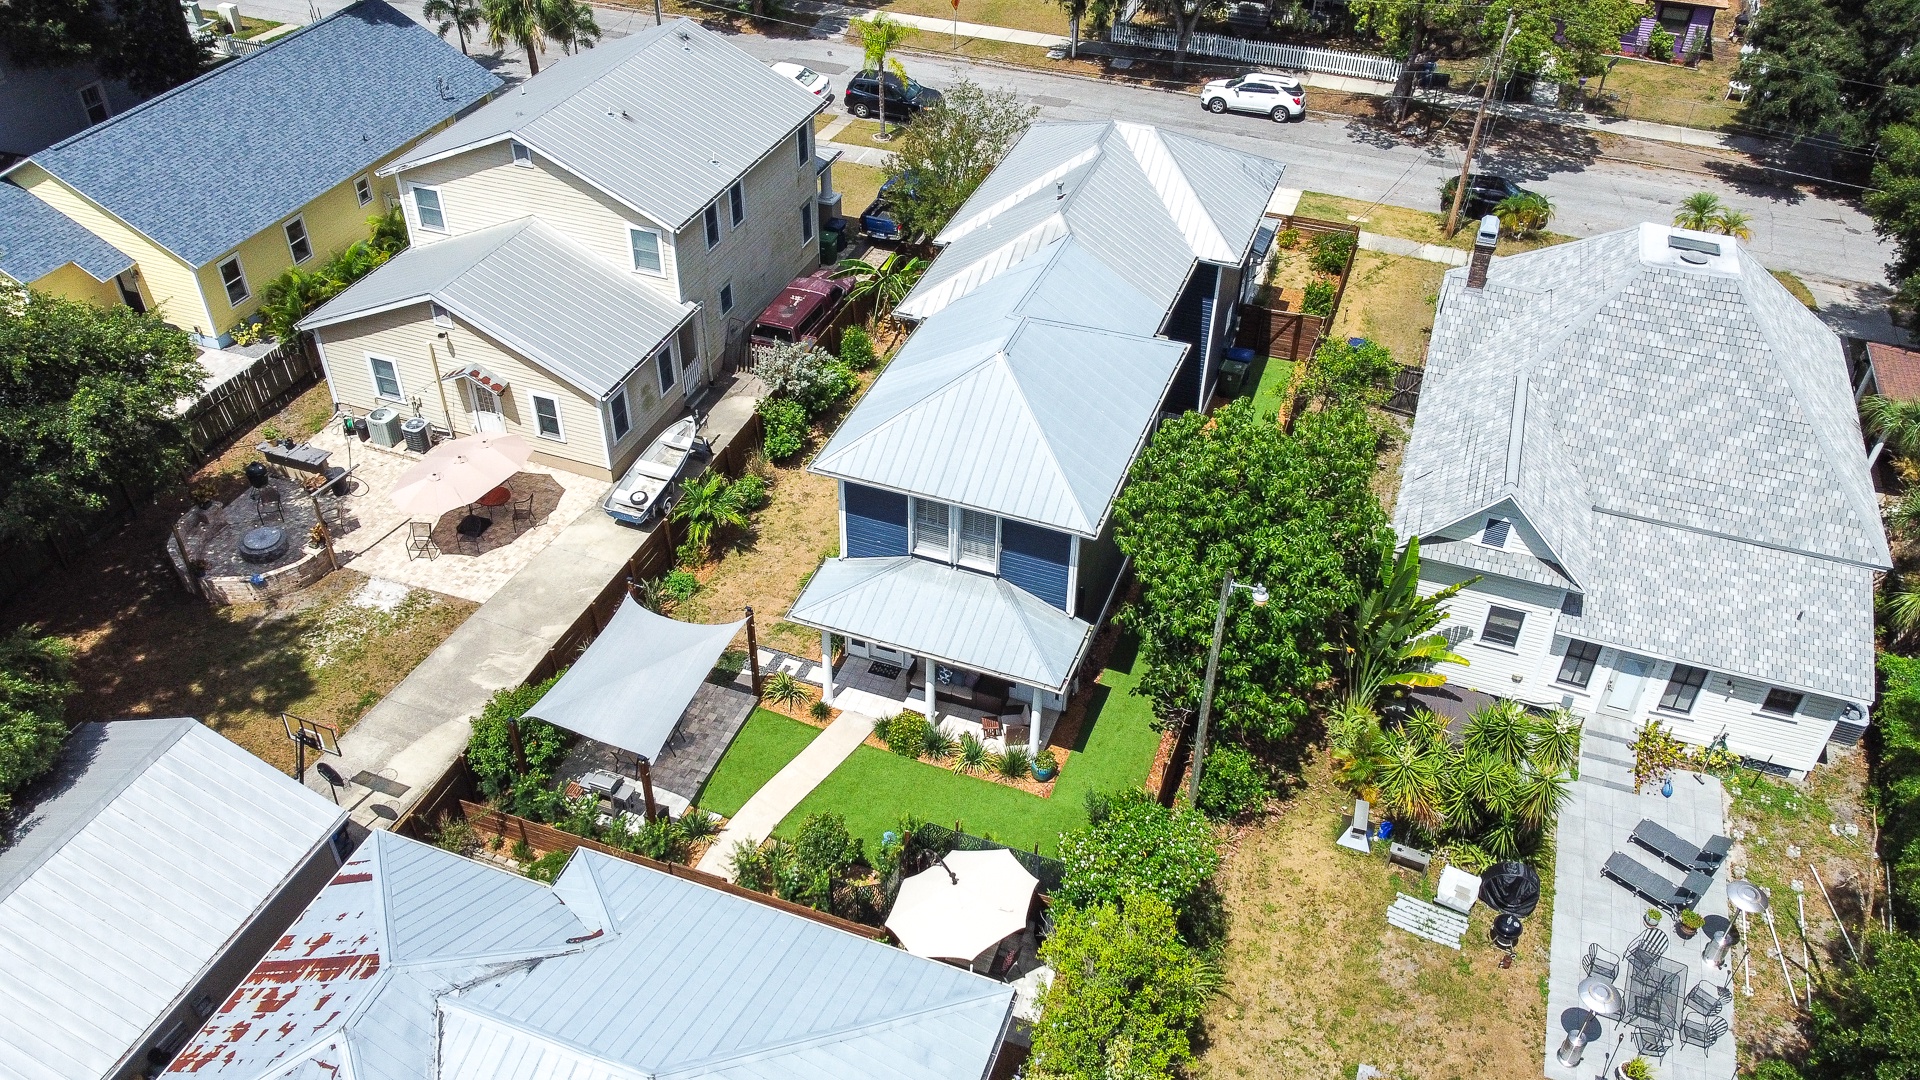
(323, 739)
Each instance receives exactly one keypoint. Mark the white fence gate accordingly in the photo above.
(1265, 53)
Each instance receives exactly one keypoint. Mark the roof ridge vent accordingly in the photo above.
(1693, 252)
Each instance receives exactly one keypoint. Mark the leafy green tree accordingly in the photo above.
(1809, 72)
(150, 48)
(1867, 1024)
(87, 402)
(823, 852)
(460, 16)
(878, 37)
(1894, 201)
(1086, 17)
(946, 152)
(1388, 639)
(51, 33)
(1524, 214)
(36, 679)
(1563, 40)
(707, 506)
(1184, 16)
(1347, 372)
(1125, 998)
(490, 744)
(1138, 848)
(1231, 493)
(1404, 29)
(783, 427)
(1896, 779)
(888, 284)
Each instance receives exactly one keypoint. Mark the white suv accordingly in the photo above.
(1278, 96)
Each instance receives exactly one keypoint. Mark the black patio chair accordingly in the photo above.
(1654, 1042)
(1663, 842)
(1707, 999)
(1648, 947)
(1601, 962)
(1703, 1032)
(1634, 876)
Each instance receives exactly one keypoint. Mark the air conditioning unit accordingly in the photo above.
(384, 424)
(229, 14)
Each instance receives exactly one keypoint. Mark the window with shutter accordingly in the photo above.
(979, 540)
(1495, 534)
(931, 530)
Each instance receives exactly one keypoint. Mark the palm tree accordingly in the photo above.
(1501, 732)
(879, 36)
(1697, 211)
(460, 16)
(888, 284)
(1900, 607)
(1730, 222)
(1524, 214)
(707, 504)
(569, 23)
(515, 22)
(1388, 640)
(1896, 423)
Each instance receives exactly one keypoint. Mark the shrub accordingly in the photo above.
(1232, 783)
(1138, 848)
(662, 838)
(1775, 1070)
(820, 710)
(785, 427)
(1332, 251)
(1287, 240)
(1014, 764)
(790, 370)
(490, 746)
(1345, 372)
(937, 745)
(1660, 45)
(36, 679)
(1319, 298)
(580, 816)
(760, 867)
(973, 754)
(907, 733)
(455, 835)
(1896, 732)
(1868, 1024)
(522, 853)
(1637, 1069)
(547, 867)
(783, 689)
(749, 493)
(823, 852)
(856, 349)
(680, 584)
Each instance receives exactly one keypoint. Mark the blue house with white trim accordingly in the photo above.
(1086, 289)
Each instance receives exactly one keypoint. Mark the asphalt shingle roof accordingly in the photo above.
(36, 240)
(1669, 428)
(214, 161)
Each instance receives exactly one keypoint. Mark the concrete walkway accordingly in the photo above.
(1394, 245)
(774, 801)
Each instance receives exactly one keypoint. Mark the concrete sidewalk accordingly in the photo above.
(777, 798)
(937, 25)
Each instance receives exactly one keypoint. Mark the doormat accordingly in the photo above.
(884, 670)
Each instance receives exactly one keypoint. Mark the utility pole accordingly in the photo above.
(1473, 141)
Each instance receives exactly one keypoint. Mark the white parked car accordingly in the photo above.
(1280, 97)
(807, 79)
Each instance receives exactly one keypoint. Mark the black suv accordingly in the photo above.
(904, 99)
(1484, 192)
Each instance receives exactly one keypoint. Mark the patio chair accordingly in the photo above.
(420, 540)
(1654, 1042)
(1665, 843)
(266, 498)
(1601, 962)
(1651, 945)
(1706, 999)
(1634, 876)
(1703, 1032)
(523, 509)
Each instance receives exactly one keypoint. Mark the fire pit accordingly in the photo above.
(264, 544)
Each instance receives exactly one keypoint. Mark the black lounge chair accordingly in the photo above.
(1636, 877)
(1703, 1032)
(1663, 842)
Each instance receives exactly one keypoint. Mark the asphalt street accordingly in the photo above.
(1828, 242)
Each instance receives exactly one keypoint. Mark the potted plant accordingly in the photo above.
(1688, 923)
(1637, 1069)
(1652, 917)
(316, 539)
(197, 567)
(1045, 765)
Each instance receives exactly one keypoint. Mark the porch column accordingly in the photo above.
(1033, 725)
(826, 667)
(930, 684)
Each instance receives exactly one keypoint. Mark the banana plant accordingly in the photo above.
(1387, 639)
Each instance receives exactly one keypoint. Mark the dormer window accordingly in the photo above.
(1495, 533)
(522, 154)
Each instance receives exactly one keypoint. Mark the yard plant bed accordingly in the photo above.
(1391, 299)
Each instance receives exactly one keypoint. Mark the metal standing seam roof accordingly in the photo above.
(956, 616)
(632, 684)
(664, 120)
(531, 288)
(617, 971)
(160, 844)
(36, 240)
(214, 161)
(1685, 419)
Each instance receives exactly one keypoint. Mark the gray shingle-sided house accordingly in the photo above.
(153, 869)
(1647, 452)
(1084, 290)
(265, 162)
(593, 241)
(416, 962)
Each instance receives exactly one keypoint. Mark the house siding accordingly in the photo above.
(171, 289)
(1100, 563)
(76, 284)
(875, 521)
(1495, 669)
(1036, 559)
(405, 336)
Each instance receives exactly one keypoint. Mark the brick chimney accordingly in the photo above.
(1483, 243)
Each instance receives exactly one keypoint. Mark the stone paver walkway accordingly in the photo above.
(773, 802)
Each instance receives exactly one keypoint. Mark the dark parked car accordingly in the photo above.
(801, 311)
(1484, 192)
(904, 99)
(878, 220)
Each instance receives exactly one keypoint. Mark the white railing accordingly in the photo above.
(1264, 53)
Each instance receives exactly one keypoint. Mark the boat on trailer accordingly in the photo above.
(644, 492)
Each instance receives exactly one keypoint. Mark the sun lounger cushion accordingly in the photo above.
(1637, 878)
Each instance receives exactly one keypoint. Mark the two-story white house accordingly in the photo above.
(1086, 289)
(585, 248)
(1646, 451)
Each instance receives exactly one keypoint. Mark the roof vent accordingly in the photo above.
(1059, 189)
(1692, 251)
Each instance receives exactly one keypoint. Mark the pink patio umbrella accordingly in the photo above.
(456, 473)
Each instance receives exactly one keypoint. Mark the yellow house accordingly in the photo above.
(43, 249)
(269, 161)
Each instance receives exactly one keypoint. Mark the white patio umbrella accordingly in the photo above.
(458, 472)
(957, 912)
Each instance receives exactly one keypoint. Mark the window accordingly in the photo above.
(94, 100)
(726, 298)
(646, 250)
(930, 529)
(712, 220)
(979, 540)
(806, 222)
(1782, 702)
(363, 190)
(546, 417)
(522, 154)
(1577, 668)
(426, 203)
(1574, 604)
(441, 317)
(297, 242)
(803, 141)
(1495, 534)
(618, 407)
(737, 203)
(663, 366)
(386, 378)
(1503, 626)
(1682, 688)
(235, 280)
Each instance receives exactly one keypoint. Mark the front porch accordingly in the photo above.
(998, 712)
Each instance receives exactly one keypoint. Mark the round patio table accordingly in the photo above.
(497, 497)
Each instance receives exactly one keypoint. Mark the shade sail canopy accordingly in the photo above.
(458, 472)
(957, 912)
(631, 685)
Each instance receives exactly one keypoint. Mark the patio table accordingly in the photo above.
(1654, 992)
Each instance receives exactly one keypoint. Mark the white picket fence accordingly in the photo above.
(1263, 53)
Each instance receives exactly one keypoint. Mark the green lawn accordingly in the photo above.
(1275, 375)
(761, 749)
(875, 789)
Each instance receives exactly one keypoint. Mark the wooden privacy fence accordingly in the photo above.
(252, 395)
(1406, 391)
(544, 839)
(851, 313)
(1286, 335)
(1265, 53)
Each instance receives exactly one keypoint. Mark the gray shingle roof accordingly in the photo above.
(216, 160)
(1608, 380)
(531, 288)
(955, 616)
(663, 120)
(36, 240)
